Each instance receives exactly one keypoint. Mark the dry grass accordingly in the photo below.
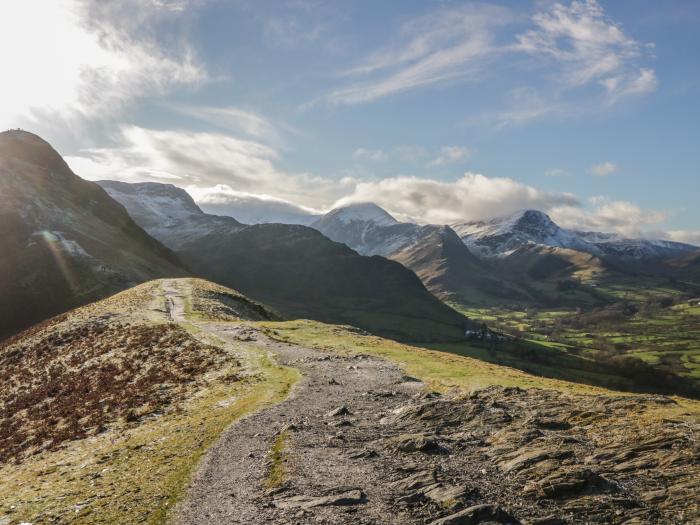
(73, 383)
(106, 410)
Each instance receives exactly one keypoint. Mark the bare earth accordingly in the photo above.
(358, 442)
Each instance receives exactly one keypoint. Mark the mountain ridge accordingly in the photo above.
(295, 269)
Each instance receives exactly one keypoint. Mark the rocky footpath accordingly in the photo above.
(358, 442)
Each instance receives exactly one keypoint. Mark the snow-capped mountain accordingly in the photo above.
(434, 252)
(167, 212)
(502, 236)
(369, 229)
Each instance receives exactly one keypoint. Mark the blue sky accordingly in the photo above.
(439, 111)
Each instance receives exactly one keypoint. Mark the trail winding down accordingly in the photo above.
(357, 442)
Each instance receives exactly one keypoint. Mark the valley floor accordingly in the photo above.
(327, 427)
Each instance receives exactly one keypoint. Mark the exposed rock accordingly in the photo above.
(414, 443)
(350, 497)
(478, 514)
(565, 484)
(340, 411)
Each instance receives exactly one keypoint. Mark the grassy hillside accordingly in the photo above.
(106, 410)
(166, 390)
(63, 241)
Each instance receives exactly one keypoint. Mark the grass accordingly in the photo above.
(441, 370)
(278, 471)
(123, 475)
(136, 472)
(667, 337)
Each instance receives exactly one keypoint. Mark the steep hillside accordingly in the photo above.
(450, 271)
(686, 267)
(63, 240)
(293, 268)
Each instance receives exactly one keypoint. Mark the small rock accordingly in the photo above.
(340, 411)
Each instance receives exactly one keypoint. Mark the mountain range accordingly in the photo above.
(524, 257)
(291, 267)
(67, 241)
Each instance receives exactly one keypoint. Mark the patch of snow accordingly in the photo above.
(68, 246)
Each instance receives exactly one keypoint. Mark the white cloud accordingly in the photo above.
(75, 59)
(250, 208)
(202, 159)
(470, 197)
(639, 83)
(241, 121)
(590, 47)
(603, 169)
(606, 215)
(450, 155)
(689, 237)
(578, 42)
(370, 154)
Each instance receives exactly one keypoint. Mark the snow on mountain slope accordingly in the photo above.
(167, 212)
(363, 212)
(370, 230)
(293, 268)
(502, 236)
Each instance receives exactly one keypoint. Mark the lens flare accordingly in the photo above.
(54, 243)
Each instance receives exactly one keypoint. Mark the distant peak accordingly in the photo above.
(534, 216)
(363, 211)
(164, 194)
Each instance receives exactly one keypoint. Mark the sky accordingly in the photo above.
(439, 111)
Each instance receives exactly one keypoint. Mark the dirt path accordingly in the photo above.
(233, 481)
(174, 301)
(357, 442)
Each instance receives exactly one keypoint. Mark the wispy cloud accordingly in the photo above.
(370, 154)
(241, 121)
(204, 160)
(450, 155)
(444, 46)
(590, 47)
(556, 172)
(603, 169)
(578, 45)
